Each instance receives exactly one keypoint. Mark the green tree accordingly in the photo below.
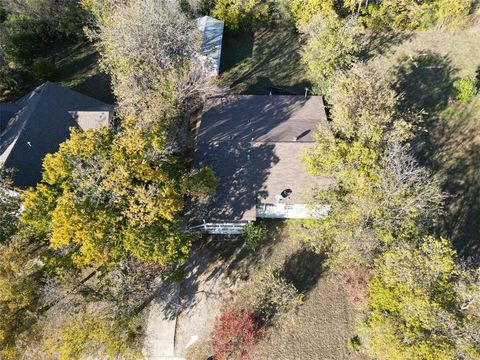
(241, 14)
(465, 89)
(20, 284)
(413, 14)
(98, 335)
(9, 209)
(31, 26)
(332, 44)
(416, 306)
(305, 10)
(380, 193)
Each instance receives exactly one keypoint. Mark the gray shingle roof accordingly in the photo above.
(43, 121)
(6, 112)
(248, 141)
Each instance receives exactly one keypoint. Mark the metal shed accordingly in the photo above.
(211, 50)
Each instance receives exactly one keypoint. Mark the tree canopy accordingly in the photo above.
(422, 306)
(108, 196)
(379, 192)
(332, 44)
(149, 48)
(29, 27)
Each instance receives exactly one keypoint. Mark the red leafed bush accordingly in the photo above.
(234, 335)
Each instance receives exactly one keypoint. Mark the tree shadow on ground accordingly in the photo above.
(455, 160)
(424, 83)
(450, 144)
(214, 260)
(98, 86)
(380, 43)
(303, 269)
(274, 61)
(477, 78)
(238, 260)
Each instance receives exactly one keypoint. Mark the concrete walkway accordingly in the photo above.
(161, 324)
(183, 314)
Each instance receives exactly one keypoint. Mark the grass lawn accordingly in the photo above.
(77, 68)
(461, 47)
(321, 328)
(423, 68)
(264, 61)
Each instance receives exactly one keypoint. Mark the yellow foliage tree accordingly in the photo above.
(108, 196)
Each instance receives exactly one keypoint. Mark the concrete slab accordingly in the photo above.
(161, 323)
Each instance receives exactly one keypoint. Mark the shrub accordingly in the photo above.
(274, 296)
(241, 14)
(465, 89)
(235, 334)
(44, 69)
(253, 235)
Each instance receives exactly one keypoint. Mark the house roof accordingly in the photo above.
(6, 112)
(249, 143)
(211, 48)
(41, 122)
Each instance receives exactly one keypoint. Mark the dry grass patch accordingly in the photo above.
(462, 47)
(321, 329)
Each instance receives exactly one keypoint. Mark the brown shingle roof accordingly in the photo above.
(261, 118)
(248, 142)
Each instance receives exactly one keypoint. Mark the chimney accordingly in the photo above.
(294, 138)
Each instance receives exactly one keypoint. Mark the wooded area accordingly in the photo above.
(107, 219)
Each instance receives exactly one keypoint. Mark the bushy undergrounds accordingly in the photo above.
(316, 316)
